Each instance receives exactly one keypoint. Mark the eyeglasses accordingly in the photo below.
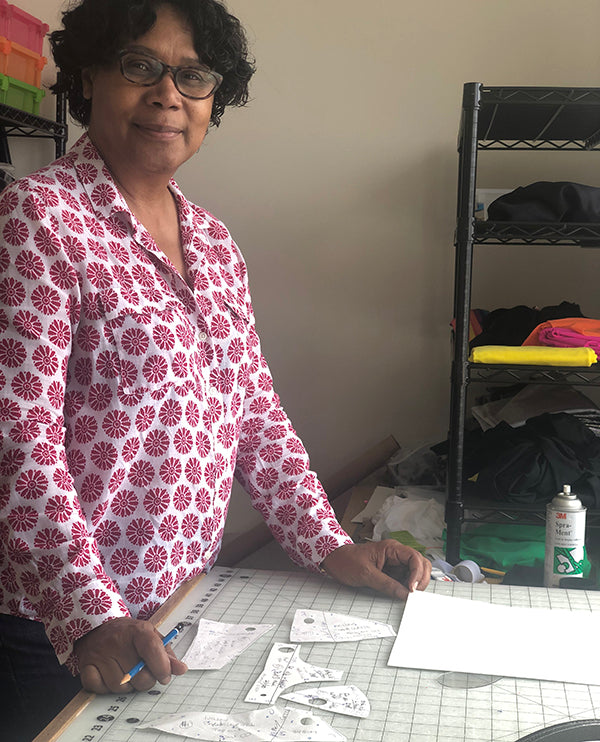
(192, 82)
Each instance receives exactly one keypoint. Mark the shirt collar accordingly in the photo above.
(84, 153)
(114, 206)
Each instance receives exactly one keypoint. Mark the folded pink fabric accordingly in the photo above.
(563, 337)
(583, 325)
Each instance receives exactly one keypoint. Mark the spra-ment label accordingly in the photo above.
(564, 529)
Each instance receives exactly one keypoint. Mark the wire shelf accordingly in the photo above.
(538, 118)
(22, 123)
(553, 233)
(504, 374)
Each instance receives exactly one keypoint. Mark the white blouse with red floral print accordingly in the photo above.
(129, 400)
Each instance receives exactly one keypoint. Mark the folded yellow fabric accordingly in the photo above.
(533, 355)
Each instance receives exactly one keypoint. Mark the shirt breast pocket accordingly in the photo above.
(155, 350)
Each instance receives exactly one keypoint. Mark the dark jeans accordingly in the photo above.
(33, 686)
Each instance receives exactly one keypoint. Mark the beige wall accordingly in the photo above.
(339, 179)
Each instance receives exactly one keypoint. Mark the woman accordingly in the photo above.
(134, 383)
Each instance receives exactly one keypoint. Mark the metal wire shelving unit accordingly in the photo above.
(508, 118)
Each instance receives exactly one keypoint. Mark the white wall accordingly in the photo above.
(339, 180)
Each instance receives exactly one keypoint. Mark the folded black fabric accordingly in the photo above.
(547, 201)
(512, 326)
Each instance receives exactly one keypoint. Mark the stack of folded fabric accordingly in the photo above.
(572, 332)
(569, 341)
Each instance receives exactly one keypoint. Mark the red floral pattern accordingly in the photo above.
(127, 396)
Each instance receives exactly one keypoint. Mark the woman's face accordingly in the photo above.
(146, 131)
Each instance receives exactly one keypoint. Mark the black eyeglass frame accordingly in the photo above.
(218, 78)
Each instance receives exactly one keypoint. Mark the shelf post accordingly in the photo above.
(61, 118)
(4, 148)
(467, 168)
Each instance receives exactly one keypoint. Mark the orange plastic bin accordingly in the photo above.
(21, 63)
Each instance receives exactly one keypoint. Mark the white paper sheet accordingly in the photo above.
(217, 643)
(440, 632)
(264, 725)
(324, 626)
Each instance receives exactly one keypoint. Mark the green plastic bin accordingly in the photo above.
(20, 95)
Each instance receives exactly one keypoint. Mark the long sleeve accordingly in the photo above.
(274, 468)
(48, 555)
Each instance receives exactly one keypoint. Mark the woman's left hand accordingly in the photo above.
(362, 565)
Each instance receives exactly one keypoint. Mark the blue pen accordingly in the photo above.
(141, 664)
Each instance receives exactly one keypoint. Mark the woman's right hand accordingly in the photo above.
(109, 651)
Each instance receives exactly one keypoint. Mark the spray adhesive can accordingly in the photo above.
(565, 538)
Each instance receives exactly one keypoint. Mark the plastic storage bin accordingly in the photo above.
(20, 95)
(19, 26)
(21, 63)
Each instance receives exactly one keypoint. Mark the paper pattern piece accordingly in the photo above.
(322, 626)
(515, 641)
(341, 699)
(264, 725)
(216, 643)
(283, 669)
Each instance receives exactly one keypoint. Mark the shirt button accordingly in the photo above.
(202, 336)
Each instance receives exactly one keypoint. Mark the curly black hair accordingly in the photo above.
(94, 31)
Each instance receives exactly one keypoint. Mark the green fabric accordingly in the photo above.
(406, 538)
(505, 545)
